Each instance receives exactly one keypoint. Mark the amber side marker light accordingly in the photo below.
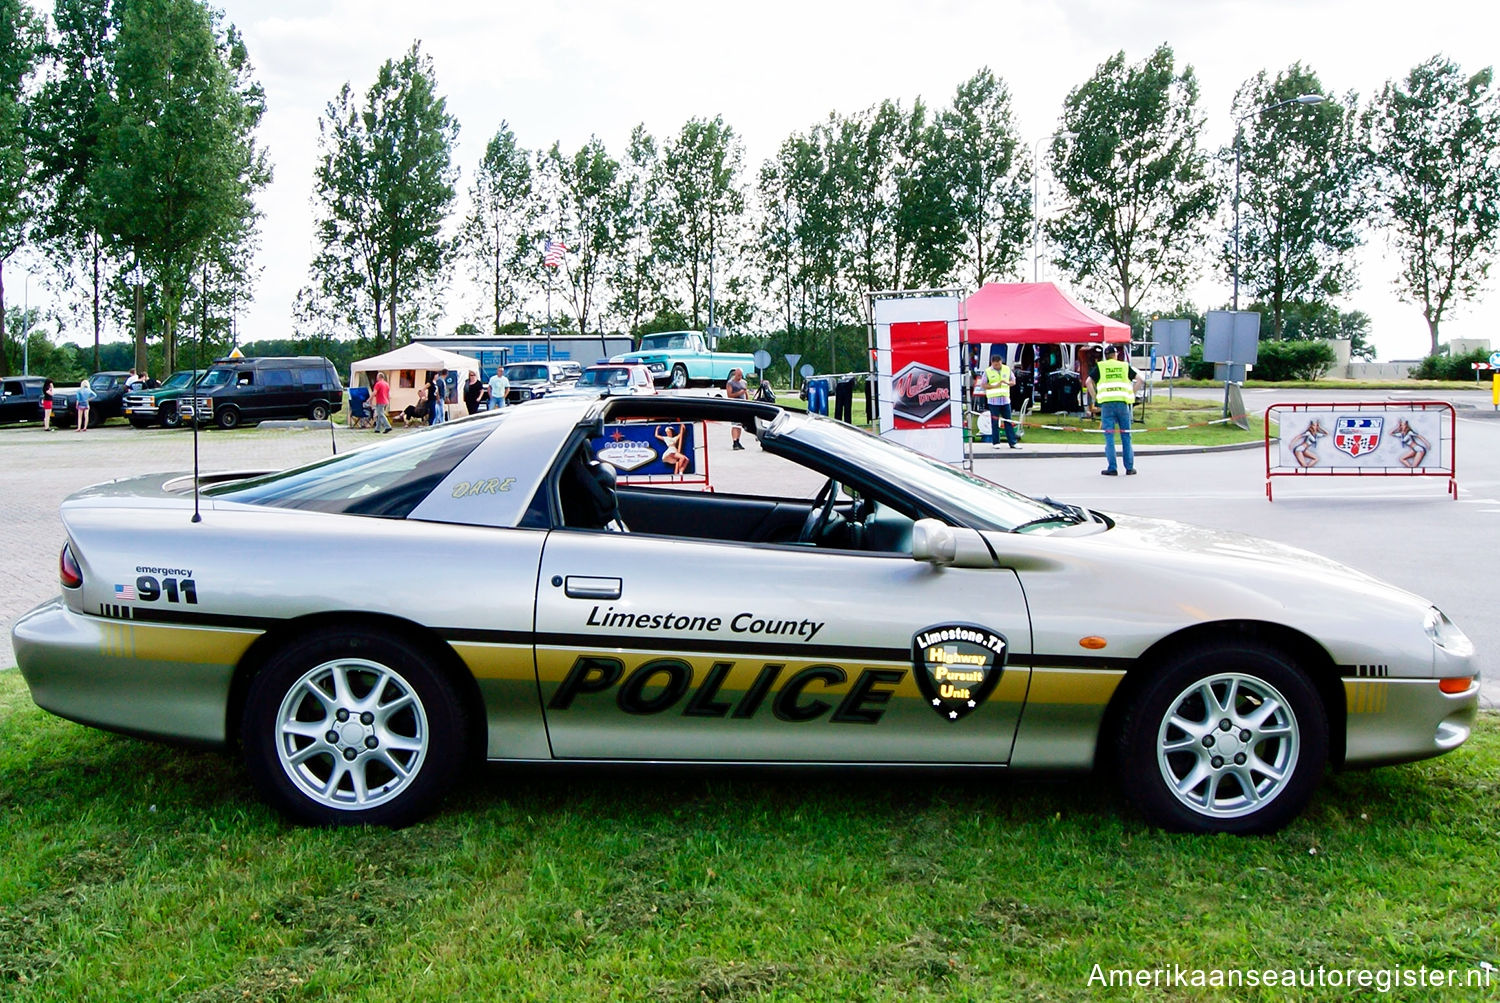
(67, 569)
(1456, 684)
(1092, 642)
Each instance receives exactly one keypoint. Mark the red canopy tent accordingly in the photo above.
(1036, 313)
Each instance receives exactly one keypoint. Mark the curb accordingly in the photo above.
(987, 452)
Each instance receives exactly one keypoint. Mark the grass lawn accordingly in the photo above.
(136, 871)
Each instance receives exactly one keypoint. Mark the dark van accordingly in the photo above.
(234, 391)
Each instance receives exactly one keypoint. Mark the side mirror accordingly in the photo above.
(939, 544)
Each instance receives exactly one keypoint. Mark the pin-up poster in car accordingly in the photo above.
(642, 449)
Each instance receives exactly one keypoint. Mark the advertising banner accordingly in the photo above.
(917, 372)
(1365, 438)
(643, 449)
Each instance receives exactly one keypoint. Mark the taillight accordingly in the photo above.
(67, 569)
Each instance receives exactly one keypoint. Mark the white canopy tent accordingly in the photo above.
(407, 369)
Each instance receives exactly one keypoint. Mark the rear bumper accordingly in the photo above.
(153, 680)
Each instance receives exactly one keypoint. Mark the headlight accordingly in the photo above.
(1445, 633)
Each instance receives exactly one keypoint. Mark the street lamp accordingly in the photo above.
(1239, 136)
(1036, 198)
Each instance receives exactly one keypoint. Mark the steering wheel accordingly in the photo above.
(820, 513)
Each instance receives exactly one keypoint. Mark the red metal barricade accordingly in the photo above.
(1365, 439)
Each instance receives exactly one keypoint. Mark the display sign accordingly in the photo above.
(1231, 336)
(917, 366)
(641, 449)
(1322, 439)
(1171, 337)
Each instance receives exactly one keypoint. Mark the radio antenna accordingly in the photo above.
(193, 393)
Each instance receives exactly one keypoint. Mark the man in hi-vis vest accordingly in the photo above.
(998, 379)
(1113, 383)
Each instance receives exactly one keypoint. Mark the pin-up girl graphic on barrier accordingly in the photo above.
(1416, 445)
(1305, 445)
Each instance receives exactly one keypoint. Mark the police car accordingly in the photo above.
(823, 597)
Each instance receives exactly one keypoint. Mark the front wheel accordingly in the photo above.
(679, 377)
(1230, 739)
(353, 728)
(139, 423)
(228, 418)
(170, 417)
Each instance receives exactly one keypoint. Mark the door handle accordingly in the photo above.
(585, 587)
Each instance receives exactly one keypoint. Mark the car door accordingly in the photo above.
(654, 647)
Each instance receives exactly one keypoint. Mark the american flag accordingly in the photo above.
(553, 253)
(125, 593)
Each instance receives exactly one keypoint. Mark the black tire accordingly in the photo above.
(170, 416)
(227, 418)
(315, 776)
(1230, 738)
(139, 423)
(679, 379)
(319, 412)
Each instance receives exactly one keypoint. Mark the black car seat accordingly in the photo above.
(589, 499)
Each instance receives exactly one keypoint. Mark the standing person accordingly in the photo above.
(735, 388)
(381, 395)
(437, 393)
(499, 388)
(133, 382)
(85, 394)
(473, 392)
(47, 406)
(1113, 383)
(998, 379)
(149, 382)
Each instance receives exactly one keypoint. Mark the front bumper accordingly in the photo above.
(1401, 720)
(154, 680)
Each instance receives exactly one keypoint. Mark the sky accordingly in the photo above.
(565, 70)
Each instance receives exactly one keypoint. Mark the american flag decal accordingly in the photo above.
(125, 593)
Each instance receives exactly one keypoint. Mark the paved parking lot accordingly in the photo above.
(1407, 532)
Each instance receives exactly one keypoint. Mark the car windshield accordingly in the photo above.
(388, 479)
(101, 381)
(181, 378)
(525, 372)
(980, 503)
(659, 341)
(218, 376)
(604, 378)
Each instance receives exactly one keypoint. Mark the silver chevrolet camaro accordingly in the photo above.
(610, 581)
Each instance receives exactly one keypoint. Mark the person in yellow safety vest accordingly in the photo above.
(998, 379)
(1113, 384)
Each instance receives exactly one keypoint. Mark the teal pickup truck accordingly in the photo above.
(679, 358)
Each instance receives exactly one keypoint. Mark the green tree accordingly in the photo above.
(384, 185)
(637, 280)
(22, 36)
(1137, 195)
(703, 205)
(584, 198)
(1434, 145)
(177, 165)
(69, 133)
(1303, 197)
(499, 235)
(990, 182)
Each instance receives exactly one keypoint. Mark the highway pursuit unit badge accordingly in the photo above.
(957, 666)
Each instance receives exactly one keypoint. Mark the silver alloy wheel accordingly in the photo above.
(1228, 745)
(679, 377)
(351, 734)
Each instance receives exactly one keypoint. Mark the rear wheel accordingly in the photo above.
(353, 728)
(1225, 739)
(228, 417)
(320, 412)
(679, 377)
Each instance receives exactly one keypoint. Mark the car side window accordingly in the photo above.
(277, 377)
(244, 378)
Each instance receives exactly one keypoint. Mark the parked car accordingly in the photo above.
(21, 398)
(610, 378)
(160, 406)
(680, 358)
(235, 391)
(109, 403)
(832, 598)
(530, 380)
